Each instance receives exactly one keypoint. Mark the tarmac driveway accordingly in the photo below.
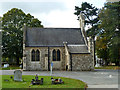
(94, 79)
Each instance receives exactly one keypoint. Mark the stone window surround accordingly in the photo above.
(52, 54)
(31, 55)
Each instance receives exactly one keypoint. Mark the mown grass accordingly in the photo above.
(108, 67)
(68, 82)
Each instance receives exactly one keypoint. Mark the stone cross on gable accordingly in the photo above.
(82, 20)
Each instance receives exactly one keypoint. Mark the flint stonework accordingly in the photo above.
(75, 52)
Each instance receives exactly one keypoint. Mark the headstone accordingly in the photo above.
(6, 65)
(17, 75)
(36, 77)
(20, 66)
(97, 64)
(36, 81)
(57, 81)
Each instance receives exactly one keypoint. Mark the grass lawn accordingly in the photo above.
(108, 67)
(68, 82)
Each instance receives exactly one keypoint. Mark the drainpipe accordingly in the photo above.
(48, 59)
(71, 61)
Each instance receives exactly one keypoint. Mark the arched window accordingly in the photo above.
(37, 55)
(54, 55)
(33, 55)
(58, 55)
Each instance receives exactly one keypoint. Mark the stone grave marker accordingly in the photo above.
(57, 81)
(17, 75)
(6, 65)
(36, 81)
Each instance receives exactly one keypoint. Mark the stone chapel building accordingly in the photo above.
(66, 48)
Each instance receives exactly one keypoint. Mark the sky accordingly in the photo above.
(52, 13)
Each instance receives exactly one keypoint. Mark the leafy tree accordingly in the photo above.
(110, 25)
(102, 50)
(89, 12)
(91, 18)
(12, 24)
(0, 44)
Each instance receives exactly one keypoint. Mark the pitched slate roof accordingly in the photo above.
(78, 49)
(53, 36)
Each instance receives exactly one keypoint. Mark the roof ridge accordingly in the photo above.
(52, 28)
(76, 45)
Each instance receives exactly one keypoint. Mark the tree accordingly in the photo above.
(0, 50)
(102, 49)
(91, 18)
(109, 18)
(12, 24)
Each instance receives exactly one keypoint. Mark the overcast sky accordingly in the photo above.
(52, 13)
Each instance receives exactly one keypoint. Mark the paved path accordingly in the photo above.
(94, 79)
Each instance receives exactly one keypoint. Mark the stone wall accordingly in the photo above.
(58, 65)
(82, 62)
(43, 63)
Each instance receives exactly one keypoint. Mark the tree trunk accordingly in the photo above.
(94, 57)
(17, 60)
(94, 54)
(106, 63)
(117, 63)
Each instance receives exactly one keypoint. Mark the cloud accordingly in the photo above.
(52, 13)
(33, 7)
(59, 18)
(65, 18)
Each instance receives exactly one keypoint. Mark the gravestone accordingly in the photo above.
(17, 75)
(6, 65)
(57, 81)
(36, 81)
